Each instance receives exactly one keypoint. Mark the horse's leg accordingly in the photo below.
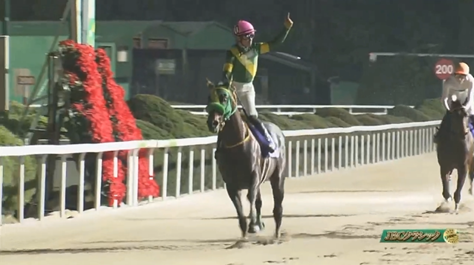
(471, 177)
(258, 206)
(277, 181)
(471, 180)
(462, 173)
(234, 195)
(445, 176)
(252, 197)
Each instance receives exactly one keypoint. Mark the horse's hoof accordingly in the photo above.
(262, 226)
(456, 208)
(470, 191)
(253, 229)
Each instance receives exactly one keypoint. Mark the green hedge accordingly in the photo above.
(158, 120)
(146, 107)
(181, 124)
(11, 173)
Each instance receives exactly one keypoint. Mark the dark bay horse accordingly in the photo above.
(240, 161)
(455, 149)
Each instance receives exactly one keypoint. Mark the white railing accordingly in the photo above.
(290, 110)
(309, 152)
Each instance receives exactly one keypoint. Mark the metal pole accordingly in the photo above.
(84, 21)
(5, 84)
(6, 18)
(89, 22)
(76, 24)
(373, 55)
(4, 76)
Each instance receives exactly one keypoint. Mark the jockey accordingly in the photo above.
(461, 84)
(241, 64)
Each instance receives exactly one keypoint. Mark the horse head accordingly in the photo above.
(222, 104)
(459, 115)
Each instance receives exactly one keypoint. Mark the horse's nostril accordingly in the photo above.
(215, 123)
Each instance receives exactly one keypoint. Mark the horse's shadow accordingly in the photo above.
(158, 244)
(284, 216)
(258, 240)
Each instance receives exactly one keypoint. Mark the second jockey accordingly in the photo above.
(461, 84)
(241, 64)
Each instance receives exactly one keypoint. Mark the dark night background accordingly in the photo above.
(334, 35)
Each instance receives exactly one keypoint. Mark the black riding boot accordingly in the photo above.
(259, 125)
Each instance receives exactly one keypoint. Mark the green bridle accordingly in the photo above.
(220, 101)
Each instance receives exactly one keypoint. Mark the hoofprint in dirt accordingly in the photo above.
(335, 218)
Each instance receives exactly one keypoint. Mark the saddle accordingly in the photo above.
(262, 140)
(471, 127)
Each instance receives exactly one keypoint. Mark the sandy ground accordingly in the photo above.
(336, 218)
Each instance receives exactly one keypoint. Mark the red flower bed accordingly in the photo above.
(124, 126)
(90, 118)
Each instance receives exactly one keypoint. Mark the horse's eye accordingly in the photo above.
(223, 98)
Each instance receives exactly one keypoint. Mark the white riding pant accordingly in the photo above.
(246, 94)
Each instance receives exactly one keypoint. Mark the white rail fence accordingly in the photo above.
(290, 110)
(186, 166)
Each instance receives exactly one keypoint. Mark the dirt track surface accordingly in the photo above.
(336, 218)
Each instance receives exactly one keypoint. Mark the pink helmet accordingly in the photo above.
(243, 27)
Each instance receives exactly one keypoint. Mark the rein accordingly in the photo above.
(247, 137)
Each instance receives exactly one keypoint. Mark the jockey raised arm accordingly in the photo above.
(460, 84)
(241, 65)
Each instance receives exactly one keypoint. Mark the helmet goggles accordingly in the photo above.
(247, 36)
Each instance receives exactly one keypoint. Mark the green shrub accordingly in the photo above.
(368, 120)
(315, 121)
(411, 113)
(158, 112)
(432, 108)
(284, 122)
(152, 132)
(11, 174)
(432, 114)
(194, 124)
(432, 104)
(341, 114)
(390, 119)
(338, 122)
(16, 108)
